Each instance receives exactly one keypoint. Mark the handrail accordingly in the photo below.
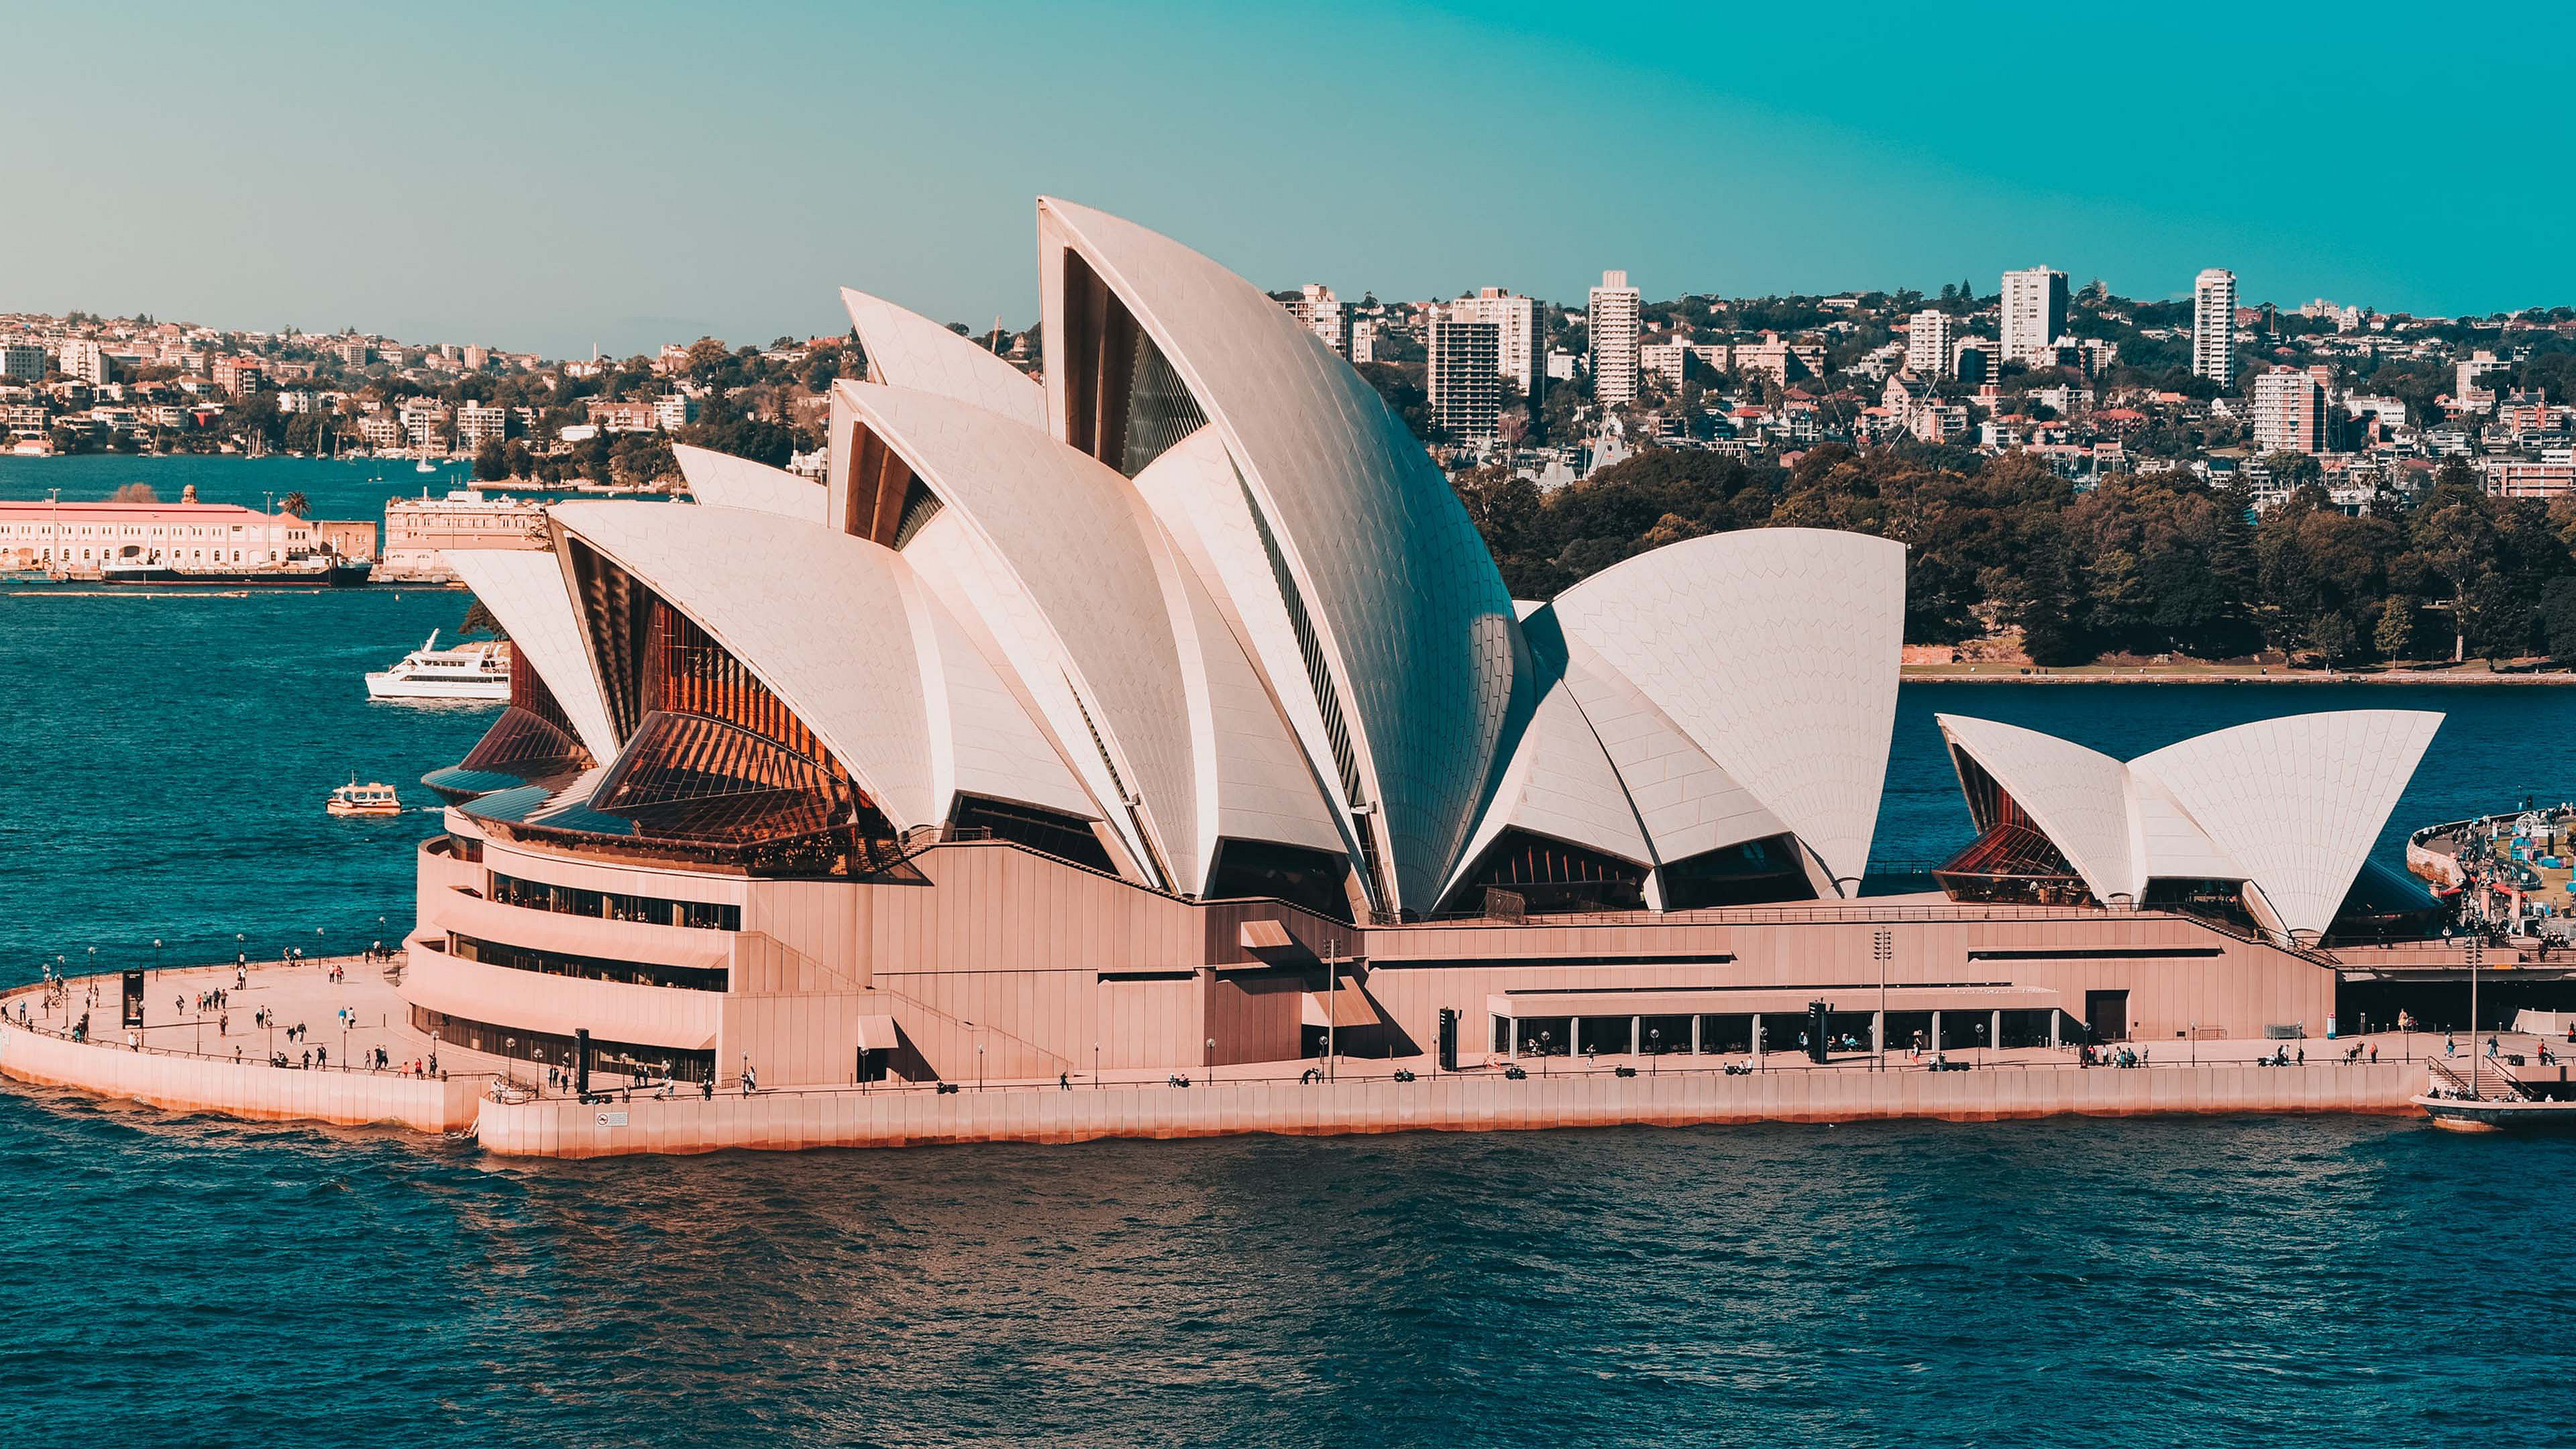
(33, 1028)
(1860, 911)
(1381, 1073)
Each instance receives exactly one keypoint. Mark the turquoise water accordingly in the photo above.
(187, 1281)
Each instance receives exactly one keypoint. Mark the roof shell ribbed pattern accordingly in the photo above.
(2290, 805)
(525, 590)
(906, 349)
(1776, 651)
(832, 625)
(1404, 598)
(1069, 534)
(724, 481)
(1558, 783)
(2299, 800)
(1687, 801)
(2078, 798)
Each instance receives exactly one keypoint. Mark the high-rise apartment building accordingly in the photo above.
(22, 360)
(1465, 376)
(1521, 347)
(1616, 322)
(1323, 314)
(1928, 343)
(2213, 327)
(2034, 312)
(84, 360)
(2289, 412)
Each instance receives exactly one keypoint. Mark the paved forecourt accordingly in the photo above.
(188, 1059)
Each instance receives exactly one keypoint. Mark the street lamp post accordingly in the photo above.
(2477, 958)
(1882, 945)
(1332, 1000)
(1097, 1084)
(1655, 1045)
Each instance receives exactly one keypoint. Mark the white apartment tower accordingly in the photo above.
(84, 360)
(1615, 322)
(2213, 327)
(1324, 315)
(2289, 412)
(2034, 313)
(1520, 348)
(1928, 343)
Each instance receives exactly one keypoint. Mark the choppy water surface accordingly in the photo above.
(183, 1281)
(2236, 1281)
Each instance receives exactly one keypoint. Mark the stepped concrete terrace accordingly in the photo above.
(185, 1061)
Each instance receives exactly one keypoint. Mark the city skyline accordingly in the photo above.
(558, 185)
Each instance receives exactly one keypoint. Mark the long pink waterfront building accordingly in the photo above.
(76, 537)
(1169, 714)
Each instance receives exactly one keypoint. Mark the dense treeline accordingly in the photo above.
(2144, 564)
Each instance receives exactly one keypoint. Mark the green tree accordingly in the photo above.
(2394, 637)
(2333, 637)
(296, 503)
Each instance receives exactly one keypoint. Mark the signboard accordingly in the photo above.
(611, 1119)
(133, 999)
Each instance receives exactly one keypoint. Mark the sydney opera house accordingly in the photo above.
(1169, 713)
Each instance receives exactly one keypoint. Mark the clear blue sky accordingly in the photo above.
(542, 177)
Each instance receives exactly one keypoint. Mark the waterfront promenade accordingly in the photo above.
(188, 1063)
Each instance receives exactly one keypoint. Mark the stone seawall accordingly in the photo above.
(251, 1089)
(786, 1121)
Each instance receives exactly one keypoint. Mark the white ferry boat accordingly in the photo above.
(469, 671)
(372, 798)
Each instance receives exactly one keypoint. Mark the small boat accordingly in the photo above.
(371, 798)
(425, 466)
(470, 671)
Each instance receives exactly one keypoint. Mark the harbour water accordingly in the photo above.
(191, 1281)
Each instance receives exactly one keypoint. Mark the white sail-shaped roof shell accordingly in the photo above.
(1558, 783)
(1686, 801)
(2078, 798)
(1196, 495)
(1405, 606)
(2290, 806)
(906, 349)
(724, 481)
(1775, 650)
(2298, 801)
(526, 591)
(1077, 591)
(844, 634)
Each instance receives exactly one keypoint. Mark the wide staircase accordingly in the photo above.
(2494, 1082)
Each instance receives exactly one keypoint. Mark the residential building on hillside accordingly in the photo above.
(1616, 323)
(2034, 312)
(478, 423)
(2289, 412)
(1464, 380)
(1323, 314)
(84, 361)
(1928, 343)
(2213, 327)
(1518, 340)
(22, 359)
